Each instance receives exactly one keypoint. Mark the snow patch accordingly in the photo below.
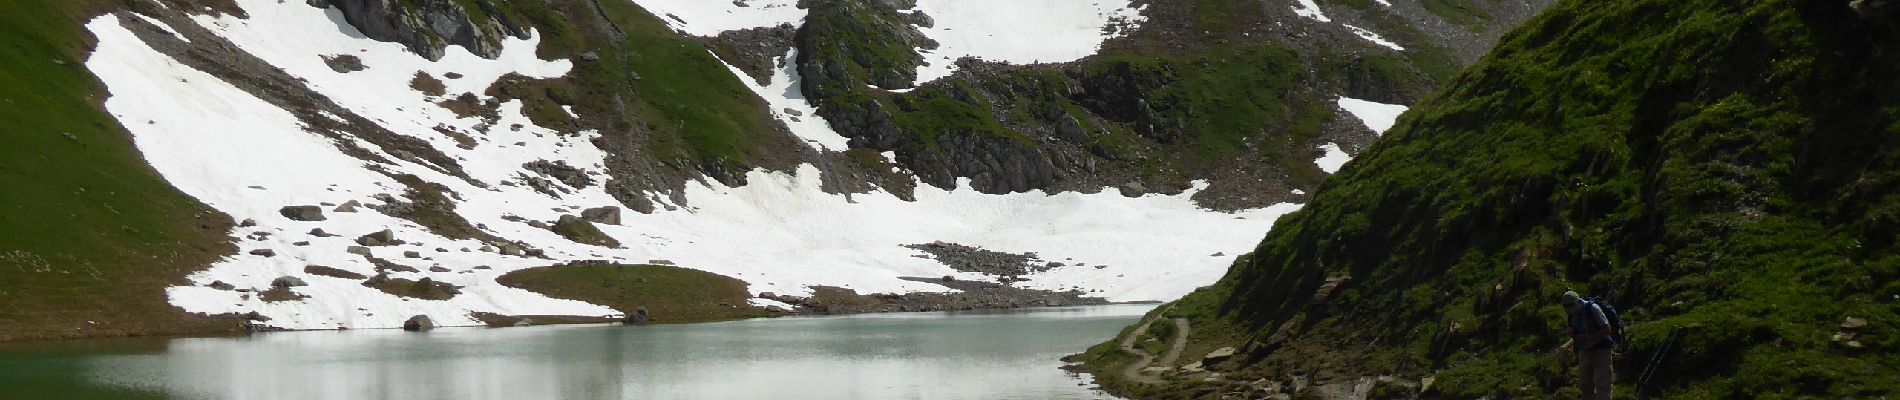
(162, 26)
(1378, 116)
(1374, 37)
(1306, 8)
(1334, 159)
(784, 92)
(1018, 31)
(712, 17)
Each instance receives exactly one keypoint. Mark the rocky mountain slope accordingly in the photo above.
(1725, 173)
(398, 158)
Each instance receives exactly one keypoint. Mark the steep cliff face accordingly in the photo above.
(427, 27)
(1725, 173)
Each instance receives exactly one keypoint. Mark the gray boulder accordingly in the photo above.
(602, 215)
(359, 250)
(418, 323)
(639, 316)
(302, 213)
(264, 252)
(1218, 355)
(348, 207)
(380, 238)
(287, 281)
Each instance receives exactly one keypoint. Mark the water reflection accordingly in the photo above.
(988, 355)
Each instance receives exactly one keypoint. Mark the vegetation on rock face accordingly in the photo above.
(89, 235)
(1203, 88)
(1729, 169)
(669, 294)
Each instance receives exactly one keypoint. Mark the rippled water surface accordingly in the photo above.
(980, 355)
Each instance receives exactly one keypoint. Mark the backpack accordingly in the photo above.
(1609, 314)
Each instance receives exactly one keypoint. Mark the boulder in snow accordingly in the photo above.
(602, 215)
(380, 238)
(302, 213)
(287, 281)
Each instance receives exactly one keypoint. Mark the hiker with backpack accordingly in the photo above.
(1593, 330)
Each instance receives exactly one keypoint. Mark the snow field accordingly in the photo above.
(712, 17)
(248, 158)
(1017, 31)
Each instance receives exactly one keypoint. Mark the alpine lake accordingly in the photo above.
(1001, 354)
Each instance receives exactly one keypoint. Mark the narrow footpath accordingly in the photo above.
(1135, 370)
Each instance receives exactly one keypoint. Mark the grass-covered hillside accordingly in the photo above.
(89, 235)
(1728, 168)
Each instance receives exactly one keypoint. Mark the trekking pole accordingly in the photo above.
(1655, 361)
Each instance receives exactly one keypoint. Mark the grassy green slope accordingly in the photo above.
(89, 235)
(1729, 168)
(670, 294)
(647, 77)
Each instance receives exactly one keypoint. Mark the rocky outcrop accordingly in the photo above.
(580, 231)
(428, 27)
(1006, 267)
(755, 51)
(560, 171)
(966, 295)
(333, 272)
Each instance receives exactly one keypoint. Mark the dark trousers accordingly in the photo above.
(1594, 366)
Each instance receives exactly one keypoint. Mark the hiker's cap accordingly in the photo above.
(1571, 298)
